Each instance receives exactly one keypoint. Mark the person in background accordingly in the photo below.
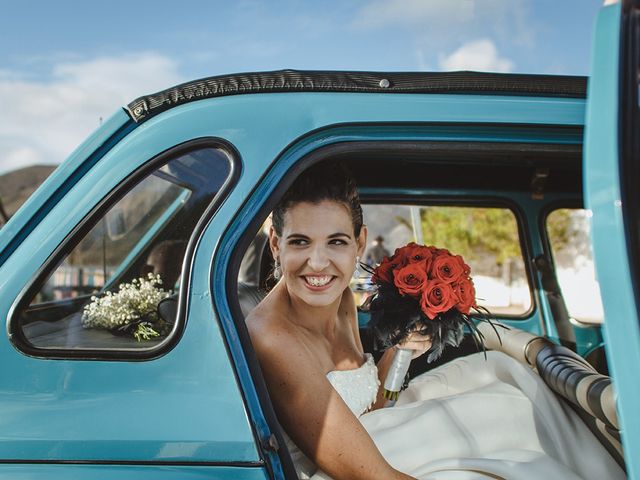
(376, 252)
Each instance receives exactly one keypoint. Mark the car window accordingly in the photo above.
(117, 282)
(486, 237)
(113, 244)
(569, 233)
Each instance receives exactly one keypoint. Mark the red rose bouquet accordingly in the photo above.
(428, 290)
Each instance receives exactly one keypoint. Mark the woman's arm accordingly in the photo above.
(314, 415)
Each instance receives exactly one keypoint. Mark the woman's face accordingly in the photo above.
(317, 250)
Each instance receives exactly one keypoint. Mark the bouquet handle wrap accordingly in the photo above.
(396, 375)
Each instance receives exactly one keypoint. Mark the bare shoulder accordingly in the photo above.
(266, 324)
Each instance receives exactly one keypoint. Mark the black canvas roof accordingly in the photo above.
(147, 106)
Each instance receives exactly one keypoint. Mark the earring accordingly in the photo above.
(356, 272)
(277, 269)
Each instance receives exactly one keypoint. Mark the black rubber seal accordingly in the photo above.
(144, 108)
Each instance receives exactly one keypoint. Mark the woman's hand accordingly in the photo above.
(418, 343)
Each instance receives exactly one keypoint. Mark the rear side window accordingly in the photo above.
(569, 233)
(116, 282)
(486, 237)
(120, 235)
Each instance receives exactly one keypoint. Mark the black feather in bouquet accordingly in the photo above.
(427, 290)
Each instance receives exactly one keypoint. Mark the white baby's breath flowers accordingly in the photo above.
(134, 302)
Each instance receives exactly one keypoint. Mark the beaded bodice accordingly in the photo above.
(358, 387)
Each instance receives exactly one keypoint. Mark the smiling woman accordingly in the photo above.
(320, 260)
(325, 388)
(305, 331)
(315, 243)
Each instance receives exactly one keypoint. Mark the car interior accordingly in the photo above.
(530, 181)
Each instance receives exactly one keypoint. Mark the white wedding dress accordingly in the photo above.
(472, 419)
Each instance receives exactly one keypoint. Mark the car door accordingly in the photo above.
(96, 403)
(612, 166)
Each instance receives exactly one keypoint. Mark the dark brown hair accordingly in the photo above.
(322, 181)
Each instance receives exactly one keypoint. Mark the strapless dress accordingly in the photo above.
(472, 418)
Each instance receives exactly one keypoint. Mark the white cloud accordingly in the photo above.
(43, 121)
(481, 55)
(432, 26)
(381, 13)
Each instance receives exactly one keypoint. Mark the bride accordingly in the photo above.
(471, 418)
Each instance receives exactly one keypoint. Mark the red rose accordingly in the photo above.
(438, 251)
(410, 279)
(418, 254)
(465, 268)
(384, 271)
(437, 297)
(466, 293)
(446, 268)
(400, 256)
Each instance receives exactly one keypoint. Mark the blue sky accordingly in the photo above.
(65, 64)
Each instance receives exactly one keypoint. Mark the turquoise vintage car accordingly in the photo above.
(180, 182)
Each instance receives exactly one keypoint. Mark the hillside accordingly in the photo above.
(18, 185)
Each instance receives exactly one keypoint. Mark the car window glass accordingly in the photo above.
(569, 233)
(121, 234)
(486, 237)
(116, 286)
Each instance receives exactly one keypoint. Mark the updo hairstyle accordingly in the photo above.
(322, 181)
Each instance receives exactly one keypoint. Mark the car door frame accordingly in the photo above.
(611, 102)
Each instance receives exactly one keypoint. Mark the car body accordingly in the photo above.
(193, 404)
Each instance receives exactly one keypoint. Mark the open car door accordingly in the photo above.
(611, 178)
